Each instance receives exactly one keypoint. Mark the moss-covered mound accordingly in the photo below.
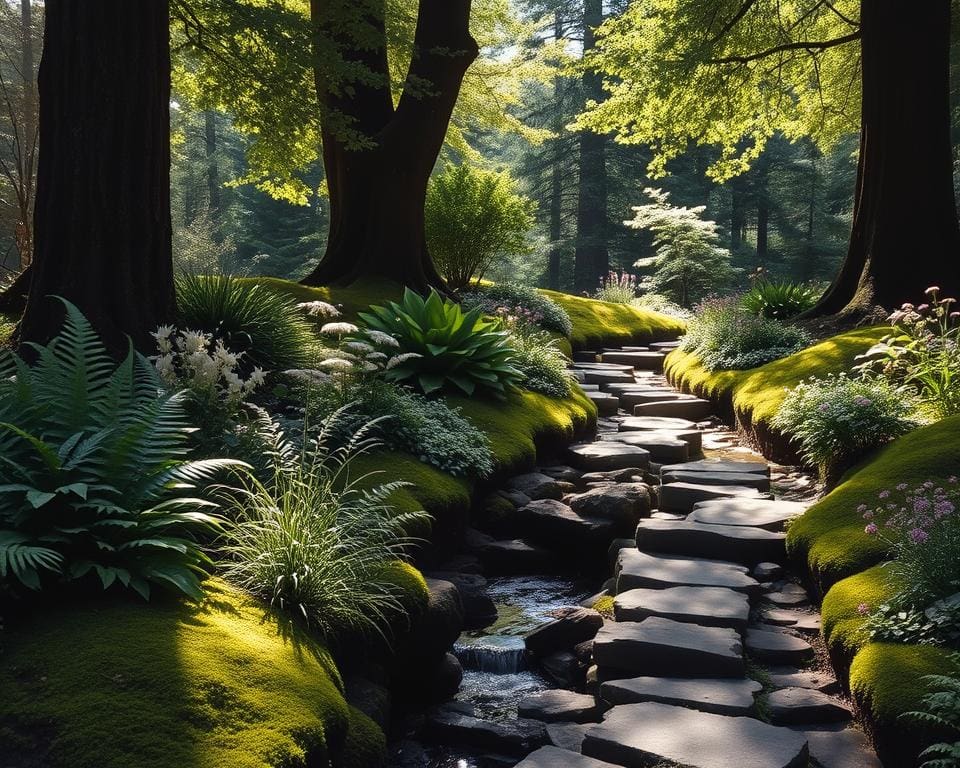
(600, 323)
(7, 324)
(111, 684)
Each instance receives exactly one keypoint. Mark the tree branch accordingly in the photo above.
(805, 45)
(734, 20)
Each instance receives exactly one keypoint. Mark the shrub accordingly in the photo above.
(437, 346)
(941, 712)
(656, 302)
(838, 419)
(246, 317)
(617, 288)
(473, 218)
(923, 353)
(318, 546)
(92, 477)
(779, 300)
(725, 337)
(516, 299)
(539, 359)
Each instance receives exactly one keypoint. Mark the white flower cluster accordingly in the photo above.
(193, 360)
(319, 309)
(358, 353)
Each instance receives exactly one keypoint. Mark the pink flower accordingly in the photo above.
(884, 494)
(932, 290)
(862, 508)
(863, 609)
(871, 529)
(868, 515)
(902, 487)
(918, 535)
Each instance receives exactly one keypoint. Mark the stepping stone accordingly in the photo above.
(743, 479)
(778, 616)
(623, 504)
(565, 632)
(665, 345)
(554, 524)
(584, 356)
(633, 423)
(644, 361)
(664, 516)
(760, 513)
(847, 748)
(509, 557)
(683, 497)
(809, 623)
(449, 726)
(788, 677)
(567, 736)
(804, 706)
(630, 398)
(706, 606)
(536, 485)
(648, 734)
(776, 647)
(560, 706)
(694, 410)
(659, 646)
(721, 697)
(713, 466)
(738, 543)
(603, 455)
(641, 570)
(607, 405)
(634, 386)
(601, 377)
(762, 571)
(554, 757)
(598, 366)
(662, 446)
(789, 596)
(590, 387)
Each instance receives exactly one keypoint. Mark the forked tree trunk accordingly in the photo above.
(377, 193)
(905, 234)
(102, 217)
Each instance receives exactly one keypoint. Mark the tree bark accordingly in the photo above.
(905, 235)
(377, 192)
(591, 259)
(102, 219)
(27, 150)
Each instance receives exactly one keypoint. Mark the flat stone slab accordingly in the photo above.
(713, 466)
(603, 455)
(553, 523)
(721, 697)
(707, 606)
(560, 706)
(644, 361)
(646, 734)
(641, 570)
(776, 647)
(665, 345)
(760, 513)
(788, 677)
(624, 503)
(741, 479)
(847, 748)
(804, 706)
(682, 497)
(694, 410)
(601, 377)
(536, 485)
(598, 366)
(630, 398)
(568, 736)
(518, 737)
(765, 571)
(662, 447)
(738, 543)
(555, 757)
(608, 405)
(788, 596)
(633, 423)
(671, 648)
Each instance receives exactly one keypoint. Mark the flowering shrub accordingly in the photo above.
(838, 418)
(923, 352)
(656, 302)
(725, 337)
(517, 299)
(617, 288)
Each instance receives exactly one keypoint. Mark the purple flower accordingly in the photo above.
(918, 535)
(863, 609)
(863, 402)
(823, 408)
(943, 508)
(871, 529)
(862, 508)
(902, 486)
(884, 494)
(868, 515)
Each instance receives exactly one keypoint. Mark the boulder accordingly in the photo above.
(623, 504)
(479, 610)
(719, 696)
(436, 629)
(558, 526)
(536, 485)
(603, 456)
(574, 626)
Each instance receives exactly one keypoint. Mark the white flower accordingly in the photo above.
(163, 332)
(225, 357)
(338, 329)
(360, 347)
(319, 309)
(257, 378)
(234, 382)
(385, 339)
(393, 362)
(336, 364)
(194, 341)
(165, 367)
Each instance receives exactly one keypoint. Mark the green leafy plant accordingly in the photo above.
(517, 299)
(617, 288)
(245, 317)
(941, 711)
(318, 543)
(539, 358)
(93, 475)
(837, 419)
(656, 302)
(439, 346)
(779, 300)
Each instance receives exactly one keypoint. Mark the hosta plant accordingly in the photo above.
(94, 482)
(439, 347)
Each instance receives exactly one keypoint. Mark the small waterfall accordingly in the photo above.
(493, 654)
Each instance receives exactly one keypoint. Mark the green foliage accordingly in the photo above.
(779, 300)
(941, 711)
(93, 476)
(318, 543)
(540, 360)
(657, 302)
(890, 624)
(474, 218)
(837, 419)
(688, 263)
(617, 288)
(443, 347)
(724, 337)
(517, 299)
(246, 317)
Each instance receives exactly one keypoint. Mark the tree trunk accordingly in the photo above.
(738, 215)
(377, 193)
(14, 299)
(27, 150)
(102, 216)
(556, 179)
(905, 234)
(591, 259)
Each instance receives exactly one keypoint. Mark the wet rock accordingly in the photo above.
(803, 706)
(564, 669)
(604, 456)
(624, 504)
(437, 628)
(559, 706)
(775, 647)
(516, 737)
(637, 569)
(479, 610)
(508, 557)
(706, 606)
(738, 543)
(536, 485)
(574, 626)
(567, 736)
(558, 526)
(720, 696)
(555, 757)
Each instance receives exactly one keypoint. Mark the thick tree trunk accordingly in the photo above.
(377, 193)
(102, 216)
(591, 259)
(905, 234)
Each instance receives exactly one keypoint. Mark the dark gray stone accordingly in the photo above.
(562, 472)
(788, 596)
(683, 497)
(536, 485)
(760, 513)
(565, 632)
(567, 736)
(644, 361)
(479, 610)
(564, 669)
(662, 446)
(607, 404)
(555, 757)
(508, 557)
(766, 571)
(623, 504)
(601, 377)
(613, 551)
(713, 466)
(637, 570)
(738, 543)
(846, 748)
(742, 479)
(604, 456)
(658, 424)
(789, 677)
(721, 696)
(519, 737)
(707, 606)
(804, 706)
(556, 525)
(693, 410)
(776, 647)
(630, 398)
(671, 648)
(559, 706)
(645, 734)
(625, 475)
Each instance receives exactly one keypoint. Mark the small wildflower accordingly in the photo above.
(863, 609)
(319, 309)
(871, 529)
(338, 329)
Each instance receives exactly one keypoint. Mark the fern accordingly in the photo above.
(941, 712)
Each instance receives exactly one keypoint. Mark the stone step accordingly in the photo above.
(649, 734)
(519, 737)
(607, 405)
(777, 647)
(585, 356)
(741, 544)
(742, 479)
(718, 696)
(683, 497)
(804, 706)
(834, 747)
(791, 677)
(555, 757)
(601, 377)
(706, 606)
(602, 455)
(641, 570)
(558, 526)
(759, 513)
(644, 361)
(560, 706)
(598, 366)
(658, 646)
(568, 736)
(663, 447)
(665, 346)
(656, 423)
(693, 410)
(629, 398)
(509, 557)
(713, 466)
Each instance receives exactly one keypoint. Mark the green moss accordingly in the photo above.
(168, 685)
(843, 626)
(413, 587)
(604, 605)
(600, 323)
(7, 324)
(366, 746)
(350, 299)
(830, 535)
